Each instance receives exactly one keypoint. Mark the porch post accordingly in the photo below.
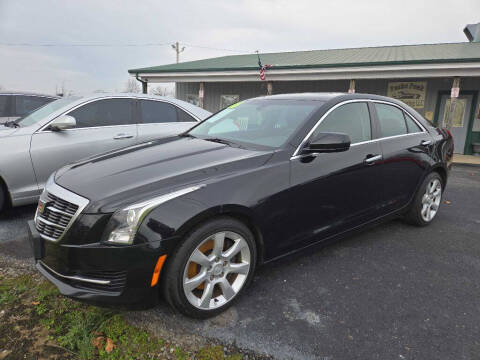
(351, 89)
(201, 93)
(269, 88)
(454, 93)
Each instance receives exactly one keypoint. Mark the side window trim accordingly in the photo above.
(312, 130)
(403, 110)
(45, 127)
(177, 107)
(376, 136)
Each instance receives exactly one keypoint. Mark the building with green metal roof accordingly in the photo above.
(423, 76)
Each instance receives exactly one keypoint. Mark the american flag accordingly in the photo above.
(262, 68)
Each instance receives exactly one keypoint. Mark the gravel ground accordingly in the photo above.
(392, 292)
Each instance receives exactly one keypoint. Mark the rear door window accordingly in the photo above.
(391, 119)
(182, 116)
(154, 112)
(109, 112)
(412, 126)
(26, 104)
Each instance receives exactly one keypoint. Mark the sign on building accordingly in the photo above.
(411, 93)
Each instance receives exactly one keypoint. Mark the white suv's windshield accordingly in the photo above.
(45, 110)
(263, 122)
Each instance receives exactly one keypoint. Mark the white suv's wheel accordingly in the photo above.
(210, 268)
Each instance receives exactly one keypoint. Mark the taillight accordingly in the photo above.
(449, 133)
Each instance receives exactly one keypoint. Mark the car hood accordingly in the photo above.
(6, 131)
(146, 170)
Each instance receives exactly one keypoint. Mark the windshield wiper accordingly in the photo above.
(186, 135)
(220, 141)
(11, 124)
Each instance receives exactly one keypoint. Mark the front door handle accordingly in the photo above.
(426, 142)
(122, 136)
(371, 159)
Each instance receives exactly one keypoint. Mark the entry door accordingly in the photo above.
(460, 119)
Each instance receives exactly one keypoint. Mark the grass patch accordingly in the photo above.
(40, 322)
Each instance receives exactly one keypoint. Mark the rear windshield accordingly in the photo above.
(45, 110)
(263, 122)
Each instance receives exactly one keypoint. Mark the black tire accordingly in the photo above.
(414, 214)
(172, 279)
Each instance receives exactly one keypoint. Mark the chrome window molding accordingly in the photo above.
(43, 128)
(196, 118)
(62, 193)
(402, 109)
(297, 155)
(76, 278)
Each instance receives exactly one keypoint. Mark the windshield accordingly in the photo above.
(260, 122)
(41, 113)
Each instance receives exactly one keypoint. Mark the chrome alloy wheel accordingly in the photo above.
(216, 270)
(431, 200)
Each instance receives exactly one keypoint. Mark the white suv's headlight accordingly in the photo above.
(124, 223)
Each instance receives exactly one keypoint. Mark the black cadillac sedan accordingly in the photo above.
(191, 217)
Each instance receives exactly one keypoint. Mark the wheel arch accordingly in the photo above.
(442, 172)
(238, 212)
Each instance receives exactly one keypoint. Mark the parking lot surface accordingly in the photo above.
(391, 292)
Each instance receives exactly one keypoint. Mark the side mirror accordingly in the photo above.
(327, 143)
(64, 122)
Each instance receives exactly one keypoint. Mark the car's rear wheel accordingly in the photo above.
(427, 201)
(210, 268)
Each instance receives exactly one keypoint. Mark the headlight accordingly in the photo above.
(124, 223)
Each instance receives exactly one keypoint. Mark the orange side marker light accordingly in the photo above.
(156, 271)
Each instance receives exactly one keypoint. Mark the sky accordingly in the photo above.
(207, 28)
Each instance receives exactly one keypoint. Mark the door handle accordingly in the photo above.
(122, 136)
(370, 159)
(426, 142)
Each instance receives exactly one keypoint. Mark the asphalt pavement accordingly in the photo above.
(391, 292)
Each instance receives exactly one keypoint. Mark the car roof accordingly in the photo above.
(326, 96)
(27, 93)
(321, 96)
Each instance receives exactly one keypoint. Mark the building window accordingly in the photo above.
(227, 100)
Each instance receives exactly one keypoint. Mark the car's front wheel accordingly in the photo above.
(210, 268)
(427, 201)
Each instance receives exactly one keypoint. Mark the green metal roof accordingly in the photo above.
(385, 55)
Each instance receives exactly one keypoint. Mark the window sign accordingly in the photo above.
(411, 93)
(227, 100)
(459, 112)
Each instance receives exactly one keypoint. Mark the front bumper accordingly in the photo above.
(98, 273)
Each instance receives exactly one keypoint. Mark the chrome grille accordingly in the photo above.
(55, 214)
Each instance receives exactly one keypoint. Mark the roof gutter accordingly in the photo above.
(463, 69)
(144, 84)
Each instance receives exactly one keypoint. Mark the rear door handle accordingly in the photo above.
(370, 159)
(122, 136)
(426, 142)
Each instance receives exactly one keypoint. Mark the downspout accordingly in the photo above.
(144, 83)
